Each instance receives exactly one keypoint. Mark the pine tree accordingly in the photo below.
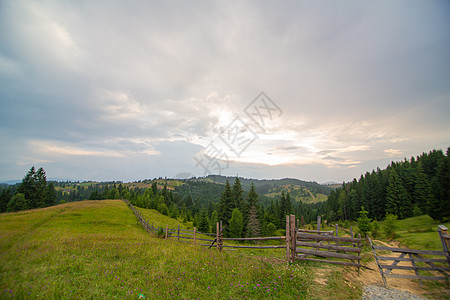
(50, 195)
(364, 223)
(154, 188)
(396, 198)
(17, 203)
(236, 224)
(5, 197)
(214, 220)
(203, 225)
(226, 205)
(238, 194)
(253, 226)
(28, 188)
(252, 200)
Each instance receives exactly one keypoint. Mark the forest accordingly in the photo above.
(250, 207)
(420, 185)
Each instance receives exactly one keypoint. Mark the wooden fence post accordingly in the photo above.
(303, 221)
(293, 237)
(167, 230)
(178, 232)
(288, 239)
(195, 231)
(337, 233)
(217, 235)
(443, 230)
(319, 219)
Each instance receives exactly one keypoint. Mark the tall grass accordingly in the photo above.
(96, 249)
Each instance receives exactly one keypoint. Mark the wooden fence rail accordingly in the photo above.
(344, 248)
(193, 235)
(323, 246)
(416, 259)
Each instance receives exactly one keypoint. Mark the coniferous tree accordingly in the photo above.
(28, 188)
(154, 188)
(203, 225)
(226, 205)
(50, 195)
(238, 194)
(214, 220)
(5, 197)
(252, 200)
(396, 198)
(236, 224)
(364, 223)
(17, 203)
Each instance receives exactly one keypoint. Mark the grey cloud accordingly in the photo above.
(136, 76)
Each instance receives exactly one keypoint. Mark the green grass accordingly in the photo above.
(96, 249)
(419, 233)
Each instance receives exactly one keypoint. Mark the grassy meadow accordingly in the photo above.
(96, 249)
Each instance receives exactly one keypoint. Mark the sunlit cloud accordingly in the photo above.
(57, 148)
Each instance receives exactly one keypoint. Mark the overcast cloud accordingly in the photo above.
(127, 90)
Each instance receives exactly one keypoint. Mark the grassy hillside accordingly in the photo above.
(96, 249)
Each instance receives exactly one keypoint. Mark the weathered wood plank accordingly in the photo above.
(331, 261)
(328, 254)
(411, 259)
(329, 247)
(391, 267)
(415, 277)
(255, 238)
(394, 263)
(315, 231)
(307, 236)
(256, 247)
(428, 252)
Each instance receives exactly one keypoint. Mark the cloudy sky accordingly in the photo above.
(128, 90)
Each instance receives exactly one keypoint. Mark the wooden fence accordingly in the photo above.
(323, 246)
(419, 261)
(196, 237)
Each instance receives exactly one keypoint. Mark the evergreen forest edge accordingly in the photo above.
(420, 185)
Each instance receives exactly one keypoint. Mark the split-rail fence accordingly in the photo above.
(320, 246)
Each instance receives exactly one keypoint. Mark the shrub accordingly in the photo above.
(364, 223)
(390, 226)
(375, 229)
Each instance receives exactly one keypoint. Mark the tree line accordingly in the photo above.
(33, 192)
(420, 185)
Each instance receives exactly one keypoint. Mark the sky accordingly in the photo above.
(128, 90)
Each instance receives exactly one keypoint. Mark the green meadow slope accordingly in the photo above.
(96, 249)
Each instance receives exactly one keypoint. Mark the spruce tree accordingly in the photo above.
(396, 198)
(214, 220)
(364, 223)
(236, 224)
(226, 205)
(252, 200)
(203, 225)
(17, 203)
(5, 197)
(238, 194)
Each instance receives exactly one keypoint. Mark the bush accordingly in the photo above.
(364, 223)
(390, 226)
(347, 224)
(271, 229)
(375, 229)
(161, 232)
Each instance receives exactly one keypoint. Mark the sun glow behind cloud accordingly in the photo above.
(358, 86)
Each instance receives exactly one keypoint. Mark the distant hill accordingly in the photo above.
(210, 188)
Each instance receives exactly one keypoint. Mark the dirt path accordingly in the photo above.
(373, 277)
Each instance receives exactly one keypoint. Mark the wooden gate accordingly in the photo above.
(419, 261)
(323, 246)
